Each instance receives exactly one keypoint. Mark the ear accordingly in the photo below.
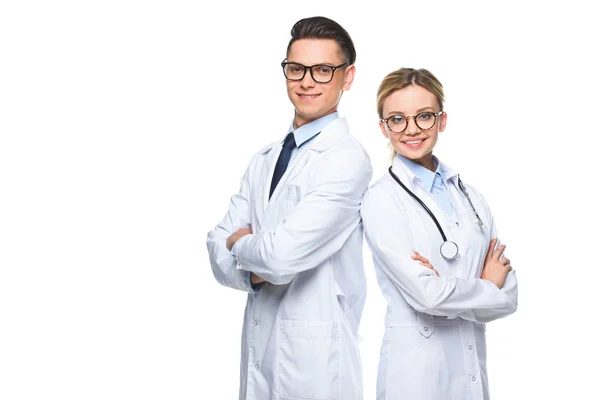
(384, 129)
(349, 77)
(443, 120)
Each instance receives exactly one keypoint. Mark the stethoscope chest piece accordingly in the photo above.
(449, 250)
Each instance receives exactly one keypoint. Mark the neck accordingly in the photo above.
(300, 120)
(427, 162)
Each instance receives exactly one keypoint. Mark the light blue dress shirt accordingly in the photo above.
(302, 135)
(307, 132)
(433, 182)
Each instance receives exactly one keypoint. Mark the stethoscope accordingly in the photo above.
(448, 249)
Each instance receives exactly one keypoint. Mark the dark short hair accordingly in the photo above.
(323, 28)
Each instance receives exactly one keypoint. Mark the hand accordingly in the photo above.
(495, 268)
(237, 236)
(424, 262)
(255, 279)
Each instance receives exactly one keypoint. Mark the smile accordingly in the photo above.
(308, 96)
(414, 144)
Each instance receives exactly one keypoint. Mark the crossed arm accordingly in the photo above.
(476, 299)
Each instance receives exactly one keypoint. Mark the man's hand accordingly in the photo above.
(255, 279)
(495, 268)
(237, 236)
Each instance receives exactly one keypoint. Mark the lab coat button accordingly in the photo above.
(257, 366)
(254, 322)
(458, 255)
(425, 329)
(473, 378)
(470, 347)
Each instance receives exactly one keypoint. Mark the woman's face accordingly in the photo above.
(414, 143)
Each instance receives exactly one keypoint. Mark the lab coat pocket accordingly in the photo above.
(308, 360)
(411, 372)
(292, 193)
(286, 202)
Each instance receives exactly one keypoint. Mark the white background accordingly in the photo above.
(125, 126)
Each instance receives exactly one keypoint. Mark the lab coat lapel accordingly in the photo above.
(271, 154)
(322, 142)
(407, 178)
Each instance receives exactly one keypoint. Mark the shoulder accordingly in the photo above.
(381, 194)
(263, 152)
(338, 144)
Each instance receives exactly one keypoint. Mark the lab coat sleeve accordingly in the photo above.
(509, 290)
(317, 227)
(222, 261)
(388, 234)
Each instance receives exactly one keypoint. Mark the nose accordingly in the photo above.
(307, 81)
(411, 127)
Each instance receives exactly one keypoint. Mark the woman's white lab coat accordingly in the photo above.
(298, 339)
(434, 343)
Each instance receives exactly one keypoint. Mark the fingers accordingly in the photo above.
(418, 257)
(431, 268)
(504, 261)
(424, 262)
(427, 265)
(498, 252)
(491, 249)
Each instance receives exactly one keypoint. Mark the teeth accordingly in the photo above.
(414, 142)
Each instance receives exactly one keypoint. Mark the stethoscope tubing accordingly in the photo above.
(414, 196)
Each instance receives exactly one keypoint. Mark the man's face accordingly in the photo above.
(311, 99)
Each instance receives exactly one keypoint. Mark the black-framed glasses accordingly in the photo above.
(321, 73)
(424, 120)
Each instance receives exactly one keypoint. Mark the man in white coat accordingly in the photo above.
(292, 237)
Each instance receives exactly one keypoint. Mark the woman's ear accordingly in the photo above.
(443, 121)
(383, 128)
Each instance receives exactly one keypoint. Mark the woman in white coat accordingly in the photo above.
(436, 255)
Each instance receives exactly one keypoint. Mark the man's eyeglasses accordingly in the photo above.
(321, 73)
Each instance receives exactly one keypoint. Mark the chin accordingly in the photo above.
(308, 116)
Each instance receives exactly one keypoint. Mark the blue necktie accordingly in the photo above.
(289, 144)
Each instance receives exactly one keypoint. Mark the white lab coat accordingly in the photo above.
(434, 343)
(298, 340)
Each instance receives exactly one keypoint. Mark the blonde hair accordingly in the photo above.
(405, 77)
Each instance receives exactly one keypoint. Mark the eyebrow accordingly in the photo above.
(418, 111)
(320, 63)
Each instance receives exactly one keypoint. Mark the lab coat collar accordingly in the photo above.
(410, 171)
(329, 136)
(330, 132)
(448, 174)
(308, 131)
(421, 173)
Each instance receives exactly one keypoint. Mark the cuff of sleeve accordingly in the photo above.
(237, 249)
(235, 252)
(248, 284)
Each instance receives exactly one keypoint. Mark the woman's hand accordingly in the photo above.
(424, 262)
(495, 268)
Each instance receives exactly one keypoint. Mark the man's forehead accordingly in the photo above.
(315, 51)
